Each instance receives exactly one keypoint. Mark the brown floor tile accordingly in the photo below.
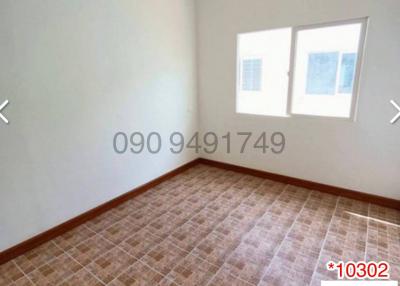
(384, 214)
(181, 212)
(137, 275)
(111, 265)
(73, 237)
(215, 248)
(164, 257)
(220, 207)
(37, 257)
(102, 222)
(209, 226)
(55, 271)
(187, 236)
(232, 228)
(90, 249)
(9, 272)
(223, 278)
(140, 243)
(127, 208)
(119, 231)
(192, 271)
(165, 225)
(24, 281)
(142, 217)
(82, 278)
(167, 282)
(206, 220)
(249, 269)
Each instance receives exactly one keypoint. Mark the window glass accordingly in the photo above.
(347, 69)
(251, 74)
(321, 74)
(324, 70)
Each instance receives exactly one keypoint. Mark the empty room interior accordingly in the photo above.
(199, 142)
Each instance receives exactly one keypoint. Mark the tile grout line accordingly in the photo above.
(241, 202)
(325, 238)
(118, 219)
(23, 272)
(140, 259)
(83, 267)
(205, 206)
(367, 235)
(257, 220)
(101, 236)
(164, 239)
(286, 235)
(95, 233)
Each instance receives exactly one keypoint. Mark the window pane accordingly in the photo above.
(251, 75)
(321, 75)
(263, 65)
(324, 70)
(347, 70)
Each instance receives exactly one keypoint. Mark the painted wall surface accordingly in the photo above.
(75, 73)
(362, 155)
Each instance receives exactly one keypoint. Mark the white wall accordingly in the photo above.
(362, 155)
(75, 73)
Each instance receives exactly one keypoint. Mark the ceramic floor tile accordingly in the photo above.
(24, 281)
(37, 257)
(73, 237)
(82, 278)
(223, 278)
(215, 249)
(246, 269)
(90, 249)
(118, 232)
(111, 264)
(102, 222)
(187, 236)
(54, 271)
(165, 225)
(192, 271)
(164, 257)
(137, 275)
(140, 243)
(209, 226)
(9, 272)
(142, 217)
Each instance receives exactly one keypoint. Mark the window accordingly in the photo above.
(251, 74)
(308, 70)
(271, 51)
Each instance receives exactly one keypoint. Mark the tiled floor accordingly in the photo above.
(210, 226)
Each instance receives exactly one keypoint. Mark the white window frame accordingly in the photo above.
(357, 73)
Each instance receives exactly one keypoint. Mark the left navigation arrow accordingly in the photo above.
(2, 106)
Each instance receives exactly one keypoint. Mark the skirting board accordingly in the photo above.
(39, 239)
(378, 200)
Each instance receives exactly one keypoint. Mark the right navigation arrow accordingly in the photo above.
(393, 121)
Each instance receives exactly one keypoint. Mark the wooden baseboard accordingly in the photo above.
(386, 202)
(39, 239)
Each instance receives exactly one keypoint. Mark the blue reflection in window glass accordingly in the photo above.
(347, 70)
(321, 74)
(251, 74)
